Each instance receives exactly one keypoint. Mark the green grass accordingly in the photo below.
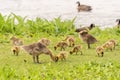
(77, 67)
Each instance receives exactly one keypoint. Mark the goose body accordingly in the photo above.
(85, 28)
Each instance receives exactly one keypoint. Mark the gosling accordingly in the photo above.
(70, 40)
(16, 50)
(76, 49)
(16, 41)
(100, 51)
(62, 45)
(62, 55)
(114, 42)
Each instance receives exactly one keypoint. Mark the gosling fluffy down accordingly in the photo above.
(62, 55)
(100, 51)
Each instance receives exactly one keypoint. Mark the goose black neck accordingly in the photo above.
(78, 3)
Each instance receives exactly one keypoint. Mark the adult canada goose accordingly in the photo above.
(118, 25)
(85, 28)
(87, 38)
(38, 48)
(83, 7)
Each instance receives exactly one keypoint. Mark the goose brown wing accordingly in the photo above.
(84, 8)
(91, 39)
(29, 48)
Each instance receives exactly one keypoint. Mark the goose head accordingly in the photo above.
(78, 3)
